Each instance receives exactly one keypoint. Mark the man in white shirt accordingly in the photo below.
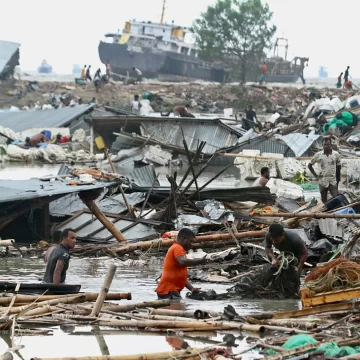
(329, 176)
(135, 105)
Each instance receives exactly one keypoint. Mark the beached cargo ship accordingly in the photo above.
(159, 51)
(162, 51)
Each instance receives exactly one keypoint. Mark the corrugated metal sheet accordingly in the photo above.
(89, 228)
(72, 204)
(23, 120)
(7, 50)
(266, 145)
(20, 190)
(144, 177)
(299, 143)
(339, 229)
(216, 134)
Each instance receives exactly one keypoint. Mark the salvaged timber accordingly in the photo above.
(309, 215)
(327, 298)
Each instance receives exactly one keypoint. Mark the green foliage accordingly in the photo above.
(235, 32)
(300, 178)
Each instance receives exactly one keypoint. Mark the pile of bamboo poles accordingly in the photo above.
(151, 317)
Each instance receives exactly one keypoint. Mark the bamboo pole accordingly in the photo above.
(104, 290)
(142, 305)
(197, 314)
(65, 300)
(103, 219)
(198, 239)
(295, 351)
(194, 353)
(225, 325)
(289, 323)
(310, 215)
(88, 297)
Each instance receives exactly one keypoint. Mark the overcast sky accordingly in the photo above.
(68, 32)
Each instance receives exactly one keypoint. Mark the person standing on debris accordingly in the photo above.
(182, 111)
(174, 277)
(108, 69)
(339, 82)
(264, 178)
(83, 72)
(346, 76)
(138, 74)
(263, 73)
(88, 75)
(135, 105)
(330, 168)
(285, 241)
(251, 119)
(59, 258)
(97, 74)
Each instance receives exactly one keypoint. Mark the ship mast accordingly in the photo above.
(163, 13)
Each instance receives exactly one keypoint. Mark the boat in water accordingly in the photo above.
(44, 68)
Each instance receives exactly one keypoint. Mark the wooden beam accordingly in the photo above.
(329, 297)
(317, 310)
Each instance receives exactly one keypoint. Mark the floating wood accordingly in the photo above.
(142, 305)
(104, 290)
(199, 325)
(177, 354)
(309, 215)
(308, 300)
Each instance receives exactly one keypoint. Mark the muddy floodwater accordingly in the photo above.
(81, 341)
(89, 341)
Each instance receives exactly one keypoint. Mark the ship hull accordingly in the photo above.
(162, 64)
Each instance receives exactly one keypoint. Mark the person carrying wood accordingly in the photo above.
(285, 241)
(330, 170)
(174, 277)
(59, 259)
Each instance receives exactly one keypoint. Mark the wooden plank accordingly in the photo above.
(317, 310)
(329, 297)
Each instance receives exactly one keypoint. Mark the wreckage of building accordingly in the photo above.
(9, 58)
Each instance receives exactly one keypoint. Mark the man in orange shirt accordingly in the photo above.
(263, 73)
(174, 277)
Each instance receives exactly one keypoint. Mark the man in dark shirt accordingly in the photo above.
(251, 114)
(59, 259)
(285, 241)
